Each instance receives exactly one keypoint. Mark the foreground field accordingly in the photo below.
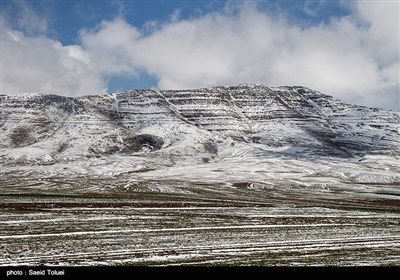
(106, 221)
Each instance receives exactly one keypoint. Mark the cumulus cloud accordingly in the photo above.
(109, 46)
(354, 57)
(39, 64)
(345, 57)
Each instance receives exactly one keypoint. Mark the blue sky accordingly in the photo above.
(181, 44)
(67, 17)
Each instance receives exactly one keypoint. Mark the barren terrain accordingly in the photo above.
(121, 221)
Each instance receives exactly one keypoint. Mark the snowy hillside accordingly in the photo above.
(144, 130)
(207, 121)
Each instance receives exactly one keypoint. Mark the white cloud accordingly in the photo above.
(108, 47)
(355, 58)
(39, 64)
(345, 57)
(382, 34)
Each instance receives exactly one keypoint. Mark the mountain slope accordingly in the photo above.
(250, 121)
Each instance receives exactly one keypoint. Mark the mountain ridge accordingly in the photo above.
(206, 123)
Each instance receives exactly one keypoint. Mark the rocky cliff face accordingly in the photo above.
(250, 121)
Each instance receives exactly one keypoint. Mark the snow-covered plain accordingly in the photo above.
(239, 175)
(87, 221)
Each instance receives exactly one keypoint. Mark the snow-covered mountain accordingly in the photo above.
(237, 175)
(173, 127)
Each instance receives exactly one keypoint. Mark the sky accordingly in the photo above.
(347, 49)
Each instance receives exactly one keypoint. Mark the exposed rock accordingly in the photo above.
(142, 142)
(21, 136)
